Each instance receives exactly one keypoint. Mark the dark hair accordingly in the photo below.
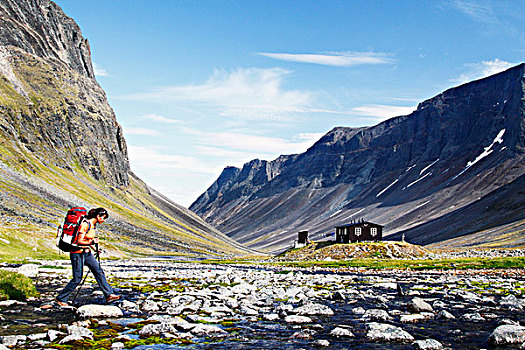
(95, 212)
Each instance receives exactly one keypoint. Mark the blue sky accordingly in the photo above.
(201, 85)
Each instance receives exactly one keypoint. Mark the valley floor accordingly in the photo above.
(258, 306)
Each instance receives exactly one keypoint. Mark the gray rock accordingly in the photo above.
(418, 305)
(117, 346)
(444, 315)
(37, 336)
(387, 332)
(358, 310)
(473, 317)
(340, 332)
(510, 302)
(296, 319)
(311, 309)
(52, 334)
(338, 295)
(205, 330)
(150, 306)
(129, 306)
(79, 331)
(413, 318)
(270, 317)
(427, 344)
(29, 270)
(93, 310)
(507, 334)
(321, 343)
(376, 315)
(13, 340)
(157, 329)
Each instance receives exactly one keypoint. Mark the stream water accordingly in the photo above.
(457, 333)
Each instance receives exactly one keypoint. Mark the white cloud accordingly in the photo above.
(141, 131)
(481, 70)
(161, 119)
(382, 112)
(149, 159)
(339, 59)
(477, 10)
(99, 71)
(246, 93)
(255, 145)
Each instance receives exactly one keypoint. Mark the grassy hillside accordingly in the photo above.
(60, 146)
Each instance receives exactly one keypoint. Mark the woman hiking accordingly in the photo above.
(83, 256)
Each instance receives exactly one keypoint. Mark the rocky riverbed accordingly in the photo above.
(171, 305)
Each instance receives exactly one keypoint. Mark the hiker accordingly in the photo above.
(84, 256)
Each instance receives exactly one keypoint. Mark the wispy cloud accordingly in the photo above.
(481, 11)
(339, 59)
(161, 119)
(150, 158)
(246, 93)
(99, 70)
(252, 144)
(481, 70)
(382, 111)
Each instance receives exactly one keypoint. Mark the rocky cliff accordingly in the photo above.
(453, 167)
(61, 145)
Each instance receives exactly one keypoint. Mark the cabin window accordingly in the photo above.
(358, 231)
(373, 231)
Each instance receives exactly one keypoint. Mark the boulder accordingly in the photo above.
(427, 344)
(387, 332)
(418, 305)
(310, 309)
(340, 332)
(29, 270)
(93, 310)
(322, 343)
(157, 329)
(507, 334)
(204, 330)
(70, 339)
(296, 319)
(413, 318)
(445, 315)
(376, 315)
(79, 331)
(13, 340)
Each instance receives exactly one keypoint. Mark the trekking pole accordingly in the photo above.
(79, 288)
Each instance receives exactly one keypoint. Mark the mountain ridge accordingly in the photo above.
(62, 146)
(375, 171)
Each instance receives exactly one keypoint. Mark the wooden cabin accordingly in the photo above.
(362, 231)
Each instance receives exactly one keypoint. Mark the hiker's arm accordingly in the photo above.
(83, 238)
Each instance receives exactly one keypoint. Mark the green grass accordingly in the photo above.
(14, 286)
(445, 264)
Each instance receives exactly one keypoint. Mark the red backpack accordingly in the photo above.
(67, 234)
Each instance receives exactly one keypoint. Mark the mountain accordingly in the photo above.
(450, 173)
(61, 146)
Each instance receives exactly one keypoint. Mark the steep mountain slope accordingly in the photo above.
(61, 146)
(453, 167)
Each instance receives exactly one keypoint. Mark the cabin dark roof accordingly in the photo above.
(359, 224)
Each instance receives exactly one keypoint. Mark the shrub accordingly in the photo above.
(16, 286)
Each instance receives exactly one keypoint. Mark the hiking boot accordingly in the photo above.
(61, 303)
(112, 297)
